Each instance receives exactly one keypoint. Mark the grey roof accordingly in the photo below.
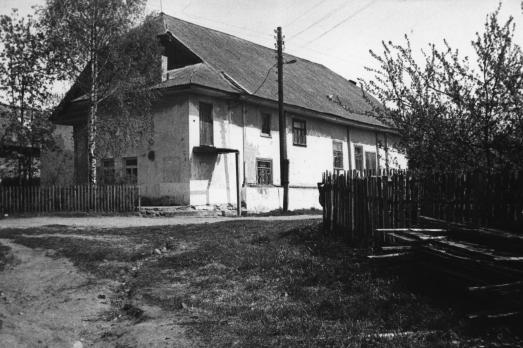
(306, 84)
(199, 74)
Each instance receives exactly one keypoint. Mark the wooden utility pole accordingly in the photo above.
(284, 161)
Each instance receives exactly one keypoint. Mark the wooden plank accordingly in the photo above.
(388, 256)
(513, 286)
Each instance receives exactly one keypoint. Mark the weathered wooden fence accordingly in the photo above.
(476, 199)
(355, 203)
(77, 198)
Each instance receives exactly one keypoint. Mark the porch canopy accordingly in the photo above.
(205, 149)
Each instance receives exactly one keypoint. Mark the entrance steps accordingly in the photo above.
(189, 210)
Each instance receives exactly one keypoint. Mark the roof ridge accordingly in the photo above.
(252, 42)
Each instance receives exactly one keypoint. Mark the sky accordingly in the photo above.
(336, 33)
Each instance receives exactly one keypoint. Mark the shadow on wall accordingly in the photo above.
(204, 169)
(57, 166)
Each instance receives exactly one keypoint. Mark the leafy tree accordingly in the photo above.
(25, 80)
(452, 112)
(114, 66)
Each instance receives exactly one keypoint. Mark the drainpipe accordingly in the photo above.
(349, 152)
(238, 196)
(377, 153)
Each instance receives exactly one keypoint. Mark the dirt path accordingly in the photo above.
(47, 302)
(132, 221)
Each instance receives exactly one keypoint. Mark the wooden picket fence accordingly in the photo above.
(356, 203)
(76, 198)
(475, 199)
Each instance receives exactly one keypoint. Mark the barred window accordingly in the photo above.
(358, 157)
(299, 133)
(108, 176)
(131, 169)
(264, 172)
(266, 124)
(337, 154)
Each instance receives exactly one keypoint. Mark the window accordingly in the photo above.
(131, 170)
(266, 124)
(358, 157)
(264, 172)
(299, 133)
(108, 171)
(337, 154)
(370, 160)
(206, 124)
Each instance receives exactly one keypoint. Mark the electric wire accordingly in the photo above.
(352, 15)
(320, 20)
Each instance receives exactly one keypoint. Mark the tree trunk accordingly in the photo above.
(91, 124)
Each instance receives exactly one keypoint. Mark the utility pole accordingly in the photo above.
(284, 161)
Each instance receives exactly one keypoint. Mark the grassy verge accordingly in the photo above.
(270, 283)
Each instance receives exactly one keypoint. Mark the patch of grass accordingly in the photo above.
(262, 283)
(5, 256)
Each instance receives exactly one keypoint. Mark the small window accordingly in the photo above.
(264, 172)
(370, 160)
(206, 124)
(266, 124)
(108, 176)
(358, 157)
(131, 170)
(299, 133)
(337, 154)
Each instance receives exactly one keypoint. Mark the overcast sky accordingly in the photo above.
(336, 33)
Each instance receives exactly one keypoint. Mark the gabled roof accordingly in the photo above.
(306, 84)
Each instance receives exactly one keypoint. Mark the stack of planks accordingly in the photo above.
(490, 261)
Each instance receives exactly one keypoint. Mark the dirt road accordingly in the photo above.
(133, 221)
(46, 302)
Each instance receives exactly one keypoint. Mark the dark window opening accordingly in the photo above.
(264, 172)
(299, 133)
(131, 170)
(206, 124)
(266, 124)
(178, 56)
(337, 154)
(370, 160)
(108, 173)
(358, 157)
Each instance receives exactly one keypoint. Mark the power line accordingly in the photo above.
(265, 79)
(320, 20)
(352, 15)
(303, 14)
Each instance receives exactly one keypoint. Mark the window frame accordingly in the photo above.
(108, 179)
(375, 160)
(263, 117)
(130, 178)
(271, 177)
(210, 128)
(361, 160)
(295, 129)
(337, 154)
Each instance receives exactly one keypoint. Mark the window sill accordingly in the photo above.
(300, 145)
(264, 135)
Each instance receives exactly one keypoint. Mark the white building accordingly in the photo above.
(214, 101)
